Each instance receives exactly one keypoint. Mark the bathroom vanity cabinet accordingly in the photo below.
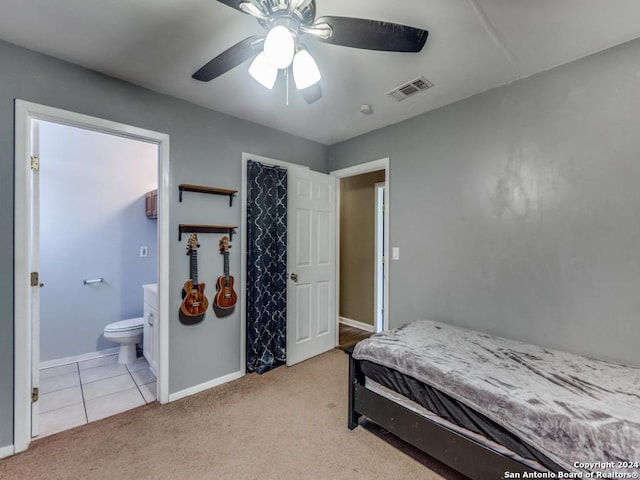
(151, 204)
(151, 326)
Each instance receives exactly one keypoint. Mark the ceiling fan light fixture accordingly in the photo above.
(263, 71)
(286, 21)
(305, 70)
(279, 46)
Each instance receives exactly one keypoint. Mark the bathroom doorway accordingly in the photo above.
(56, 148)
(97, 248)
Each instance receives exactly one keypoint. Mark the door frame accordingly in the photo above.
(373, 166)
(380, 257)
(25, 113)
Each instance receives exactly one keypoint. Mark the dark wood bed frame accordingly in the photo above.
(449, 447)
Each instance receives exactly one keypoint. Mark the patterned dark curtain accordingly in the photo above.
(266, 267)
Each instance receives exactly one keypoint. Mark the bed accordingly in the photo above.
(496, 408)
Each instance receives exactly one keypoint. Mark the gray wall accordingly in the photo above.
(206, 148)
(92, 225)
(521, 207)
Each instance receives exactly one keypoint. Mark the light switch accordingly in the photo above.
(143, 251)
(395, 253)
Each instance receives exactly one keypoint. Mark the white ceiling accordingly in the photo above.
(473, 45)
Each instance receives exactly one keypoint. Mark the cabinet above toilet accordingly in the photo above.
(151, 204)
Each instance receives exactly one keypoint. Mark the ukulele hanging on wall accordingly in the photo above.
(226, 297)
(194, 302)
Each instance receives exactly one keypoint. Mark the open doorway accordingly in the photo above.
(93, 273)
(362, 239)
(28, 283)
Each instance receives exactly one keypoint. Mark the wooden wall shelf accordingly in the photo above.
(186, 187)
(189, 228)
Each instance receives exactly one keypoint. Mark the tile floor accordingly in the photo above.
(82, 392)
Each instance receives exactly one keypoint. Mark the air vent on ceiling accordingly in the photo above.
(405, 90)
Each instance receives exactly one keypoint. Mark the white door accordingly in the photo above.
(311, 299)
(34, 262)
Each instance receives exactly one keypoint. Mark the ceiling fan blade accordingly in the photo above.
(230, 58)
(368, 34)
(312, 94)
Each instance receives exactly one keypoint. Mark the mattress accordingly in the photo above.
(452, 414)
(415, 407)
(581, 413)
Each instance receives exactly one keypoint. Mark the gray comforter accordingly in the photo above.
(577, 411)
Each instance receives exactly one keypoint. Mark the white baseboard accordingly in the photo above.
(6, 451)
(355, 324)
(204, 386)
(80, 358)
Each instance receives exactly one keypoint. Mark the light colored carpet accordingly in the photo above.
(286, 424)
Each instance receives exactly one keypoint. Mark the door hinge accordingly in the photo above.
(35, 394)
(35, 163)
(35, 279)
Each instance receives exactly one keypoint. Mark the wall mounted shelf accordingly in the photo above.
(186, 187)
(189, 228)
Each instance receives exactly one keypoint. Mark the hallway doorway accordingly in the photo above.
(363, 246)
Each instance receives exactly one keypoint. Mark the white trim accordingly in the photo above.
(379, 258)
(34, 261)
(79, 358)
(164, 317)
(356, 324)
(22, 305)
(25, 112)
(7, 451)
(205, 386)
(270, 161)
(373, 166)
(243, 266)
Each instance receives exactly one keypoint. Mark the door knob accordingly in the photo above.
(294, 277)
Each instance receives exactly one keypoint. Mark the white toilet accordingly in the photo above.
(127, 333)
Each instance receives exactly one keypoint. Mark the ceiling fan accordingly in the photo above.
(286, 21)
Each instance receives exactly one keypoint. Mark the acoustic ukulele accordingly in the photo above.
(194, 302)
(226, 297)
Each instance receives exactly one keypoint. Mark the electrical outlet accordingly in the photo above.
(144, 251)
